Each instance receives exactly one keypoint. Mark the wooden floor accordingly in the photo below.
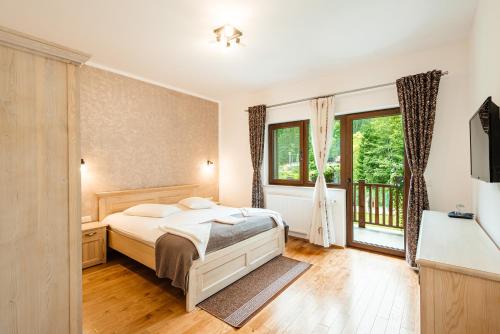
(345, 291)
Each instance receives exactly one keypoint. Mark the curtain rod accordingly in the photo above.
(334, 94)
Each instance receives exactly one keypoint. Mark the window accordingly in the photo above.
(291, 157)
(286, 149)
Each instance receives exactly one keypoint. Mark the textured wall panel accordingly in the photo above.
(137, 135)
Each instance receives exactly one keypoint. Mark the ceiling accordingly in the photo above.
(171, 42)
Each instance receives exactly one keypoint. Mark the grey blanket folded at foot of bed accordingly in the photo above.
(175, 255)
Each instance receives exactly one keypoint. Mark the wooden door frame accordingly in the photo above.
(348, 165)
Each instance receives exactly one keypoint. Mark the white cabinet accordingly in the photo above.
(459, 276)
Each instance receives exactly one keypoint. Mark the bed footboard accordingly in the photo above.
(227, 265)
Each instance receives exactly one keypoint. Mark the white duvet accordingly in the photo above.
(190, 224)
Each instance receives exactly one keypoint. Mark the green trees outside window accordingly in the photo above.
(332, 169)
(378, 150)
(287, 145)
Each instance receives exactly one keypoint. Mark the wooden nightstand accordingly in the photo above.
(93, 244)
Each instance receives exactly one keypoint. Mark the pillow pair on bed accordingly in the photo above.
(197, 203)
(152, 210)
(163, 210)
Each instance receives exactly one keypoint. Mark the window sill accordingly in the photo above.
(311, 187)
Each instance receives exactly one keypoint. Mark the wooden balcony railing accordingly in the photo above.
(378, 204)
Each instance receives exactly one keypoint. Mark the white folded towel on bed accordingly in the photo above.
(193, 224)
(255, 212)
(230, 220)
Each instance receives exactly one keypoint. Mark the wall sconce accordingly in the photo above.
(83, 166)
(208, 167)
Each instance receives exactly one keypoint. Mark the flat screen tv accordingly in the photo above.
(485, 142)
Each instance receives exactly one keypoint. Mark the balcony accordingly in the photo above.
(378, 214)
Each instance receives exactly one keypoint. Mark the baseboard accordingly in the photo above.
(298, 235)
(302, 236)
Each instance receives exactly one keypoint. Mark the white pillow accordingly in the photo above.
(197, 203)
(152, 210)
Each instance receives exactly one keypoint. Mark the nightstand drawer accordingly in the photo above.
(93, 245)
(93, 235)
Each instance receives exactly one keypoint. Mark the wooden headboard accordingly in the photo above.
(116, 201)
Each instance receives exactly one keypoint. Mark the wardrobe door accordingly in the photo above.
(36, 158)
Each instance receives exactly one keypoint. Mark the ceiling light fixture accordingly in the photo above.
(228, 34)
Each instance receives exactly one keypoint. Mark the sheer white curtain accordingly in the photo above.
(322, 116)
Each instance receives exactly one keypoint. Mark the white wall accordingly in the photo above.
(447, 174)
(485, 81)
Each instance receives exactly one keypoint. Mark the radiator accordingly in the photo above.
(297, 213)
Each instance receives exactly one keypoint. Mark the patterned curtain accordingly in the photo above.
(257, 128)
(417, 99)
(322, 116)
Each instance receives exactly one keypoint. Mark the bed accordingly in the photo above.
(216, 271)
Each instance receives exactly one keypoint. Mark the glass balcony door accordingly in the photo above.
(377, 180)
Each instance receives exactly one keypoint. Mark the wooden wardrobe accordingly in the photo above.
(40, 249)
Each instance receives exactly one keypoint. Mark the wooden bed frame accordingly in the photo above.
(218, 270)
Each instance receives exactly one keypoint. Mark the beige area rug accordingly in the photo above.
(240, 301)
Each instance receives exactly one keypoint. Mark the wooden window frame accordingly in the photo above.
(304, 154)
(271, 129)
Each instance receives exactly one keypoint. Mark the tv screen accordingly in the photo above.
(480, 153)
(485, 142)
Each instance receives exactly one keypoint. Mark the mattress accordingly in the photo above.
(147, 229)
(175, 254)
